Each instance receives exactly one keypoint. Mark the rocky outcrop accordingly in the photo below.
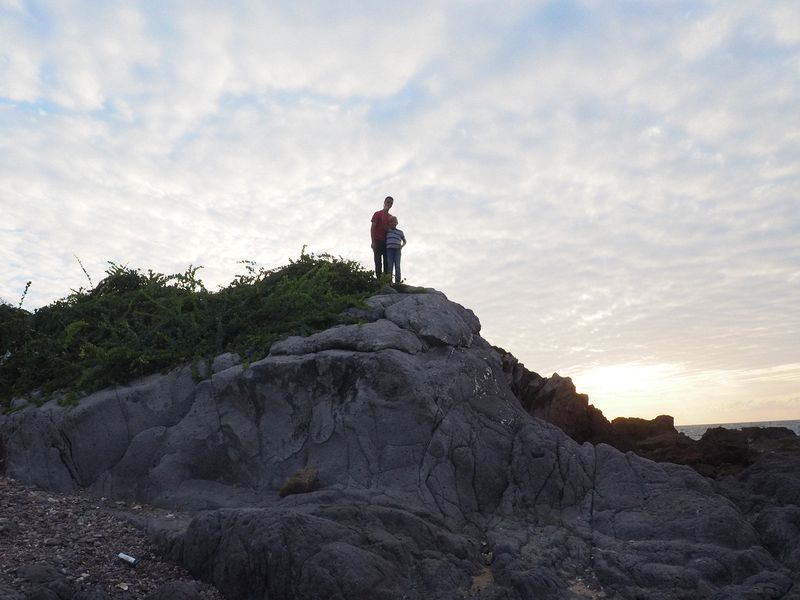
(768, 494)
(718, 453)
(556, 400)
(636, 430)
(431, 478)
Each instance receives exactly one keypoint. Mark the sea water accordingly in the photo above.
(696, 431)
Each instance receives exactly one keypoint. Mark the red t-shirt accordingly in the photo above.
(381, 220)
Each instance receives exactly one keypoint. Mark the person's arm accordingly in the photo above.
(372, 233)
(403, 242)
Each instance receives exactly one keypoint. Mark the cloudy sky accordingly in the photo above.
(613, 187)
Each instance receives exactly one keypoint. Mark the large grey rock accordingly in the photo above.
(768, 494)
(62, 448)
(435, 319)
(225, 361)
(375, 307)
(433, 480)
(370, 337)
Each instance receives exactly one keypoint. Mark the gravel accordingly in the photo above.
(66, 546)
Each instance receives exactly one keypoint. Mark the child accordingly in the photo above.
(395, 240)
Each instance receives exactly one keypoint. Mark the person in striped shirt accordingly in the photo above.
(395, 240)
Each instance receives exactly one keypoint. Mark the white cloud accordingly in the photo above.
(785, 17)
(19, 70)
(707, 34)
(368, 54)
(602, 187)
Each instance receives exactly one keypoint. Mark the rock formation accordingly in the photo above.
(431, 479)
(718, 453)
(556, 400)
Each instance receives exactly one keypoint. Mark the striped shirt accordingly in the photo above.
(393, 237)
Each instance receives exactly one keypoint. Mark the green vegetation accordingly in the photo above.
(134, 323)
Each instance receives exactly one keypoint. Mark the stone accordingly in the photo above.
(451, 325)
(435, 475)
(7, 593)
(45, 582)
(636, 429)
(370, 337)
(225, 361)
(375, 307)
(175, 590)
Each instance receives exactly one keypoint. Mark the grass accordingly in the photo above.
(134, 323)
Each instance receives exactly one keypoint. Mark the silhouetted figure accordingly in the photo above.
(377, 231)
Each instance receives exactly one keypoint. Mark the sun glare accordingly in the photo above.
(631, 389)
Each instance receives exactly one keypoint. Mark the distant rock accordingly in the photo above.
(434, 476)
(719, 452)
(637, 430)
(556, 400)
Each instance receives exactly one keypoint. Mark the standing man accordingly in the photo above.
(377, 231)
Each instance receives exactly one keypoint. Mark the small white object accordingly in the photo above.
(128, 559)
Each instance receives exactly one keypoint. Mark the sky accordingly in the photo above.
(612, 187)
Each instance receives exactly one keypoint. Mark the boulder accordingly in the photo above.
(430, 478)
(637, 430)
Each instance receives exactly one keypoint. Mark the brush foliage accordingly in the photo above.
(135, 323)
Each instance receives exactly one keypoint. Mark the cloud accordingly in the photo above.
(603, 185)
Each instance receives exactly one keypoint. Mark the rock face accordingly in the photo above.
(556, 400)
(768, 493)
(431, 480)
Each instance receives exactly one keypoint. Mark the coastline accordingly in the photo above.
(696, 431)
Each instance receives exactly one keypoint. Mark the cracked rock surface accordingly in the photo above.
(431, 479)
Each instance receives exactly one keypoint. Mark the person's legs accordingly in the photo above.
(397, 265)
(391, 254)
(379, 251)
(393, 263)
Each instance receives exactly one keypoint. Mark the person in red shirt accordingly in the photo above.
(377, 231)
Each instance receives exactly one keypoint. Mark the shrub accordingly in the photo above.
(135, 323)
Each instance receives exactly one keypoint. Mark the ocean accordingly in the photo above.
(696, 431)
